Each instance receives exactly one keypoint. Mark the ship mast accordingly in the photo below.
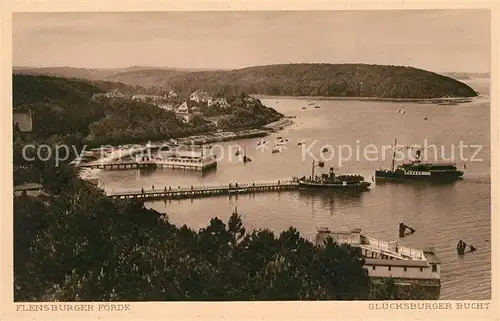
(394, 153)
(312, 171)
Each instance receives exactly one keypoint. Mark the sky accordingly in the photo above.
(436, 40)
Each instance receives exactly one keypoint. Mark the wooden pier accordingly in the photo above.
(119, 165)
(169, 192)
(148, 164)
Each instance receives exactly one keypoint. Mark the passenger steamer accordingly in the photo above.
(417, 170)
(333, 181)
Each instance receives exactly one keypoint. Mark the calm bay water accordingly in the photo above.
(441, 214)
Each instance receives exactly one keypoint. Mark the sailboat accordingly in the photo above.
(324, 149)
(275, 149)
(246, 159)
(238, 152)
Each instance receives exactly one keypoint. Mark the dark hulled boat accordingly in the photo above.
(417, 170)
(246, 159)
(333, 181)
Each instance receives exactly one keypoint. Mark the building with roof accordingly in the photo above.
(29, 189)
(148, 98)
(389, 259)
(219, 101)
(165, 106)
(200, 96)
(183, 108)
(115, 93)
(23, 125)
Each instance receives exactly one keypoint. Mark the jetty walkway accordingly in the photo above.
(170, 192)
(119, 165)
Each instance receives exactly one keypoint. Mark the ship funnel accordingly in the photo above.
(417, 155)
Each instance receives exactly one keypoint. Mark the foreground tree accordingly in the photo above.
(77, 244)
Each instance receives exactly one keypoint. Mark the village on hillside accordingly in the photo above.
(199, 103)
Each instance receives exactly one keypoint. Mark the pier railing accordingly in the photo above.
(182, 192)
(393, 247)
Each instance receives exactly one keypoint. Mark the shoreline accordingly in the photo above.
(209, 138)
(427, 100)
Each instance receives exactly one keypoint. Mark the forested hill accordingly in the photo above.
(343, 80)
(330, 80)
(46, 89)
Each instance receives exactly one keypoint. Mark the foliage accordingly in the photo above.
(248, 113)
(388, 289)
(78, 245)
(64, 108)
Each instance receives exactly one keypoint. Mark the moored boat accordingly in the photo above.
(333, 181)
(246, 159)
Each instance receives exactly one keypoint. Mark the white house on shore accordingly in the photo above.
(148, 98)
(200, 96)
(184, 113)
(220, 101)
(389, 259)
(183, 108)
(115, 93)
(186, 118)
(167, 107)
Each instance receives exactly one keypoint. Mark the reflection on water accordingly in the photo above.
(351, 198)
(418, 183)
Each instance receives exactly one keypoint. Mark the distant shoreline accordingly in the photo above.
(430, 100)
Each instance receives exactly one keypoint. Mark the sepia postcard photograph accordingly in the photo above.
(235, 156)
